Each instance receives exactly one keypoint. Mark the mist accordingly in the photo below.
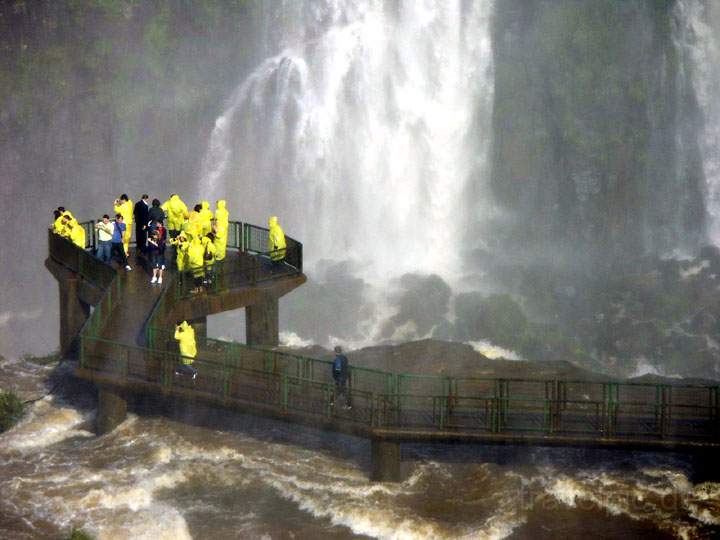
(539, 175)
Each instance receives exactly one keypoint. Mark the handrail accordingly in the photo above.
(240, 373)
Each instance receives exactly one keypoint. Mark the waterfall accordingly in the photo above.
(700, 36)
(361, 130)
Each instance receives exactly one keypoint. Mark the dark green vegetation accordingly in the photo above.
(46, 360)
(79, 534)
(11, 410)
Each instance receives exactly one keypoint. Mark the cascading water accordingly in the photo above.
(699, 34)
(360, 130)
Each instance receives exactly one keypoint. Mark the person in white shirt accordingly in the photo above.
(105, 229)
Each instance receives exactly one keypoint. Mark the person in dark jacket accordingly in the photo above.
(340, 375)
(156, 213)
(140, 214)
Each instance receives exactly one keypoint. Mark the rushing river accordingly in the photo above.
(161, 478)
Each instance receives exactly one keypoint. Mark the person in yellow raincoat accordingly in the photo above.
(195, 262)
(125, 207)
(220, 242)
(206, 217)
(193, 226)
(221, 214)
(76, 233)
(180, 242)
(176, 214)
(220, 232)
(70, 228)
(185, 336)
(208, 242)
(276, 241)
(58, 221)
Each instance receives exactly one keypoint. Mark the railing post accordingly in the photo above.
(82, 350)
(284, 390)
(226, 380)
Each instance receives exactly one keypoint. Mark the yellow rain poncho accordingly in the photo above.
(276, 240)
(195, 252)
(77, 234)
(192, 227)
(125, 208)
(220, 242)
(221, 214)
(205, 217)
(181, 248)
(209, 251)
(185, 336)
(176, 212)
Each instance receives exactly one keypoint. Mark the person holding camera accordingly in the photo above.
(105, 229)
(185, 336)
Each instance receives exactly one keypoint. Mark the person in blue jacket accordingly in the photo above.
(340, 371)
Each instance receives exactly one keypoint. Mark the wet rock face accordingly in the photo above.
(596, 121)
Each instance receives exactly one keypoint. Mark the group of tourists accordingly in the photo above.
(65, 224)
(198, 236)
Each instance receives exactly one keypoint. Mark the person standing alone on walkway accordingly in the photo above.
(185, 336)
(276, 242)
(340, 375)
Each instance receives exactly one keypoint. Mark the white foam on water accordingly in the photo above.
(664, 497)
(703, 503)
(493, 352)
(294, 341)
(45, 424)
(137, 495)
(158, 522)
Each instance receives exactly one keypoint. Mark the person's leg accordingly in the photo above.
(119, 249)
(107, 246)
(186, 369)
(104, 251)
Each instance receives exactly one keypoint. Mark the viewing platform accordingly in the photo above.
(121, 328)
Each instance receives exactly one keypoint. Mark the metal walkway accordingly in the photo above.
(127, 344)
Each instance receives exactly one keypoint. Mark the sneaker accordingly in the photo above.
(160, 280)
(154, 279)
(127, 267)
(163, 267)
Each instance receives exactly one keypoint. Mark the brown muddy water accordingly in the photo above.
(223, 477)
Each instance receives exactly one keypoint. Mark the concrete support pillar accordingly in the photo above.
(262, 326)
(112, 409)
(73, 312)
(385, 461)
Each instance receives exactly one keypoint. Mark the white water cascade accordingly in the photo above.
(702, 28)
(361, 130)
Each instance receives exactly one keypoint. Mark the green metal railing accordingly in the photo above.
(601, 409)
(234, 373)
